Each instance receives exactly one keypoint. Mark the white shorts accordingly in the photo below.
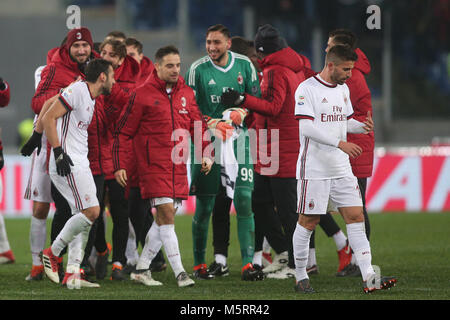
(314, 195)
(78, 188)
(163, 200)
(39, 183)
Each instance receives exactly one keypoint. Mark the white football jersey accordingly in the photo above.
(329, 107)
(72, 127)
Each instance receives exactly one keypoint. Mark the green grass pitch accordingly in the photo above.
(413, 247)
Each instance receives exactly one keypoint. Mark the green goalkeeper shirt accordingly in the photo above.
(209, 81)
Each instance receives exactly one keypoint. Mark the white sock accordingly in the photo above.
(361, 248)
(300, 241)
(266, 246)
(220, 258)
(75, 225)
(257, 258)
(38, 236)
(170, 243)
(131, 252)
(311, 258)
(340, 239)
(75, 252)
(152, 246)
(4, 243)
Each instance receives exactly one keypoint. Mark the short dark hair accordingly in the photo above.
(344, 40)
(116, 34)
(135, 43)
(241, 45)
(95, 68)
(118, 46)
(345, 32)
(164, 51)
(340, 53)
(221, 28)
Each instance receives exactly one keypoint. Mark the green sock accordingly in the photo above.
(200, 224)
(245, 224)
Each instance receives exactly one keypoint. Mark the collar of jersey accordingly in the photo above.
(230, 62)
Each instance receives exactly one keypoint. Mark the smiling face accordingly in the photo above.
(110, 55)
(217, 45)
(168, 68)
(80, 51)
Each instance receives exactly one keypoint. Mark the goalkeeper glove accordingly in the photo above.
(32, 143)
(232, 98)
(237, 115)
(63, 162)
(221, 128)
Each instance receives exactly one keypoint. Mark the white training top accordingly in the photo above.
(329, 107)
(72, 127)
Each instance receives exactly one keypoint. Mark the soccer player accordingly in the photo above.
(127, 75)
(65, 124)
(164, 105)
(325, 112)
(6, 254)
(362, 165)
(210, 76)
(65, 64)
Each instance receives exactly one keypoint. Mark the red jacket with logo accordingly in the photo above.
(151, 119)
(283, 72)
(361, 101)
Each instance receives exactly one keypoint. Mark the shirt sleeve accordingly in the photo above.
(252, 81)
(70, 97)
(303, 104)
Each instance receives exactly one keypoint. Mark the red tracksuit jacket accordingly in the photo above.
(150, 119)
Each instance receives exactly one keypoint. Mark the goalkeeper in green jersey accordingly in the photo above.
(210, 76)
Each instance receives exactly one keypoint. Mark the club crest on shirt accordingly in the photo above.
(87, 198)
(35, 192)
(183, 101)
(240, 78)
(311, 204)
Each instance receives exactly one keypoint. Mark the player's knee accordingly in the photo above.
(243, 202)
(92, 213)
(309, 221)
(40, 209)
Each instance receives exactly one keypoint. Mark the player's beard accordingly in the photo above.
(219, 59)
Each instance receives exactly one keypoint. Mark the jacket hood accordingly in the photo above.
(51, 53)
(286, 57)
(61, 56)
(362, 64)
(128, 71)
(146, 68)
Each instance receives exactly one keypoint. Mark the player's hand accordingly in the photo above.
(368, 123)
(121, 177)
(237, 115)
(232, 98)
(353, 150)
(206, 165)
(63, 162)
(32, 143)
(2, 160)
(222, 129)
